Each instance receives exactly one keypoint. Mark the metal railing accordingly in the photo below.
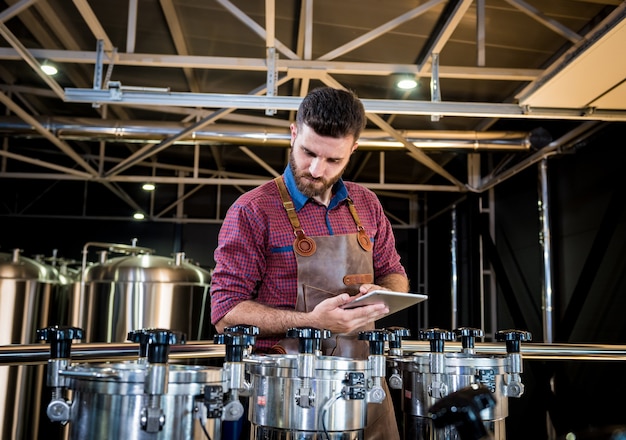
(25, 354)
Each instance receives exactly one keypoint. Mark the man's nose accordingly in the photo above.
(317, 167)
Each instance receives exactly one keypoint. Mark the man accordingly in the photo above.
(344, 244)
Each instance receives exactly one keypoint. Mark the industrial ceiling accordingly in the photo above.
(197, 96)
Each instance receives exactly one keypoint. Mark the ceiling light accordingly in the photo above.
(407, 84)
(49, 69)
(148, 186)
(139, 216)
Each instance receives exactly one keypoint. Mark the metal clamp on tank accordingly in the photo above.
(437, 337)
(513, 382)
(395, 351)
(60, 339)
(238, 341)
(309, 343)
(152, 416)
(377, 361)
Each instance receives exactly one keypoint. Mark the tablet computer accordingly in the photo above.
(396, 301)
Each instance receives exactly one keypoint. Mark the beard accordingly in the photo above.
(307, 184)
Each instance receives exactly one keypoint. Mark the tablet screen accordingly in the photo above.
(396, 301)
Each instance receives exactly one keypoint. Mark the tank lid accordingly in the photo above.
(147, 268)
(16, 267)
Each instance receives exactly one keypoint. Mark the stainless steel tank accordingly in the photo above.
(141, 290)
(424, 384)
(428, 378)
(284, 405)
(32, 295)
(108, 400)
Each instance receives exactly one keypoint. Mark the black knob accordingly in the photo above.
(141, 337)
(309, 338)
(246, 329)
(235, 344)
(513, 339)
(437, 338)
(60, 339)
(396, 335)
(468, 335)
(376, 339)
(159, 341)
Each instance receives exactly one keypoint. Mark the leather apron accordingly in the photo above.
(328, 266)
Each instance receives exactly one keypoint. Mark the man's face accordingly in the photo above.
(317, 162)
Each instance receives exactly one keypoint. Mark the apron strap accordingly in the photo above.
(362, 236)
(304, 245)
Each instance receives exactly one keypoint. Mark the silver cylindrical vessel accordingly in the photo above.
(108, 400)
(284, 405)
(427, 377)
(131, 292)
(32, 295)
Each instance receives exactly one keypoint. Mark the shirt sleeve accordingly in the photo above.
(240, 260)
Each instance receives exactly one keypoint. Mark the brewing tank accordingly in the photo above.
(125, 293)
(32, 295)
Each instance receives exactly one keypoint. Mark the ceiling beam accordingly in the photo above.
(121, 95)
(282, 65)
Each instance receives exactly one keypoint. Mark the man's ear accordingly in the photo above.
(294, 132)
(354, 147)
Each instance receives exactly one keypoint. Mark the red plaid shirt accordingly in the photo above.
(255, 259)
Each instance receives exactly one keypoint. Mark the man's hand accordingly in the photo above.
(328, 314)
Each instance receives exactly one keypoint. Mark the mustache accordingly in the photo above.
(310, 177)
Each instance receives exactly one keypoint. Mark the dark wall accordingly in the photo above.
(37, 236)
(587, 208)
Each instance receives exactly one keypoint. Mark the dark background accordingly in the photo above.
(586, 204)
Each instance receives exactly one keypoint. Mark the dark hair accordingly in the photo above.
(332, 112)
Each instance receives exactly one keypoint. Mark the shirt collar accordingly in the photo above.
(299, 199)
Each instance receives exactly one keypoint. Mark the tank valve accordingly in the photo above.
(142, 337)
(468, 337)
(60, 339)
(395, 350)
(309, 343)
(513, 382)
(377, 360)
(245, 329)
(437, 337)
(395, 339)
(239, 341)
(152, 417)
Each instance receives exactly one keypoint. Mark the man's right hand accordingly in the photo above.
(330, 315)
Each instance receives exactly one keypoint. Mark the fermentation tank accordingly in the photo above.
(32, 295)
(140, 290)
(429, 378)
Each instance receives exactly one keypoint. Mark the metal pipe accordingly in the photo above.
(23, 354)
(534, 351)
(454, 293)
(546, 244)
(148, 131)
